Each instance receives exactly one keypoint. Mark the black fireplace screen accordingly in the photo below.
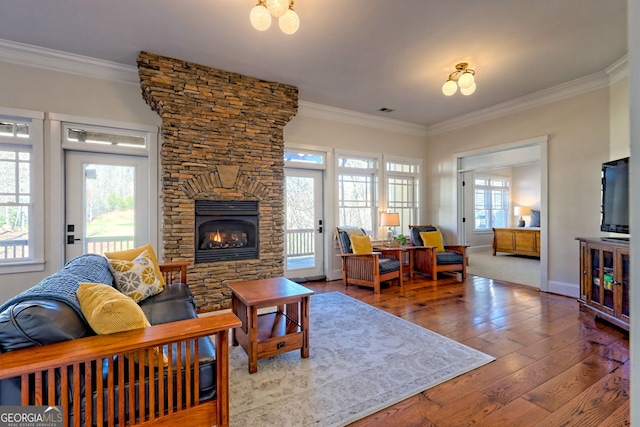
(226, 230)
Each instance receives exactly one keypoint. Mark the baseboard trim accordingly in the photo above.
(561, 288)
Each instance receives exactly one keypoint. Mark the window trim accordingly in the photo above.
(36, 227)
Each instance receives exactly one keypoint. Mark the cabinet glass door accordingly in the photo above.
(603, 279)
(625, 285)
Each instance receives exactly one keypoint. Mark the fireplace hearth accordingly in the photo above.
(226, 230)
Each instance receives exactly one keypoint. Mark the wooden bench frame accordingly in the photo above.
(79, 357)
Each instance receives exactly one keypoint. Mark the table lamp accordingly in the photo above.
(390, 220)
(521, 211)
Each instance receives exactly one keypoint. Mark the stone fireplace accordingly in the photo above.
(222, 147)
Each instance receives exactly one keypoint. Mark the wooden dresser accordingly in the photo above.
(520, 241)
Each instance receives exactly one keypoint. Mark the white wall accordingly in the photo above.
(578, 130)
(52, 92)
(48, 91)
(526, 182)
(352, 137)
(619, 117)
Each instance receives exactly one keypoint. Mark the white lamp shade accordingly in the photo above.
(466, 80)
(389, 219)
(449, 87)
(289, 22)
(260, 18)
(468, 90)
(278, 7)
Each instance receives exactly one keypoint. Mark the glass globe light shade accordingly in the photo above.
(278, 7)
(289, 22)
(466, 80)
(468, 90)
(449, 87)
(260, 18)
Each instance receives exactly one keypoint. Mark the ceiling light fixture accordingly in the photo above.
(463, 77)
(261, 14)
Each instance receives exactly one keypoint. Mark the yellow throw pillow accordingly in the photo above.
(136, 279)
(432, 238)
(108, 311)
(131, 254)
(361, 244)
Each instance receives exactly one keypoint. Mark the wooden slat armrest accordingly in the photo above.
(167, 268)
(368, 254)
(15, 363)
(458, 248)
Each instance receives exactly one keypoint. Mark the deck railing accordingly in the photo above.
(14, 249)
(299, 242)
(100, 245)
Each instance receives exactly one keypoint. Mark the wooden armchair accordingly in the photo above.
(365, 269)
(428, 260)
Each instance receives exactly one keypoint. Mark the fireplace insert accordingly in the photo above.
(226, 230)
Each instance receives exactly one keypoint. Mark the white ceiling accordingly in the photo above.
(358, 55)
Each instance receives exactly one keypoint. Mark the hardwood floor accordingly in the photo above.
(555, 366)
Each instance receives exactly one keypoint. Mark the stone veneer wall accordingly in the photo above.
(222, 139)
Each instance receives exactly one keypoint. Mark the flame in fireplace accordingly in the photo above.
(216, 236)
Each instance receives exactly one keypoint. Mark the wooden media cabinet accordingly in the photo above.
(605, 280)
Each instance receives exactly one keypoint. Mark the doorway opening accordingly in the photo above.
(526, 152)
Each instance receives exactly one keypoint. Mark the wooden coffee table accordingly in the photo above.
(272, 333)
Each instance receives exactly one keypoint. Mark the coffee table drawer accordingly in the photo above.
(278, 345)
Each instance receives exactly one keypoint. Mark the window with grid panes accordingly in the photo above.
(402, 180)
(357, 192)
(20, 206)
(491, 202)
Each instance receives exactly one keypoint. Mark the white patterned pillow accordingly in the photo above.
(136, 279)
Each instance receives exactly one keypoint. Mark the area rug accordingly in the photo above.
(362, 360)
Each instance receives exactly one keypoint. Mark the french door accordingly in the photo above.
(106, 202)
(304, 227)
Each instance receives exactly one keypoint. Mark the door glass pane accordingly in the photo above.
(299, 243)
(109, 207)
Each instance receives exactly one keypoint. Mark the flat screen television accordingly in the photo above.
(615, 196)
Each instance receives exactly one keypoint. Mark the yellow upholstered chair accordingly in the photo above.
(365, 268)
(433, 257)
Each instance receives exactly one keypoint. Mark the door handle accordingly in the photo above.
(320, 229)
(71, 240)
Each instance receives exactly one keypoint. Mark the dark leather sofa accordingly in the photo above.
(35, 319)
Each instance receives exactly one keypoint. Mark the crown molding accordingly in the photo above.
(618, 70)
(64, 62)
(319, 111)
(546, 96)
